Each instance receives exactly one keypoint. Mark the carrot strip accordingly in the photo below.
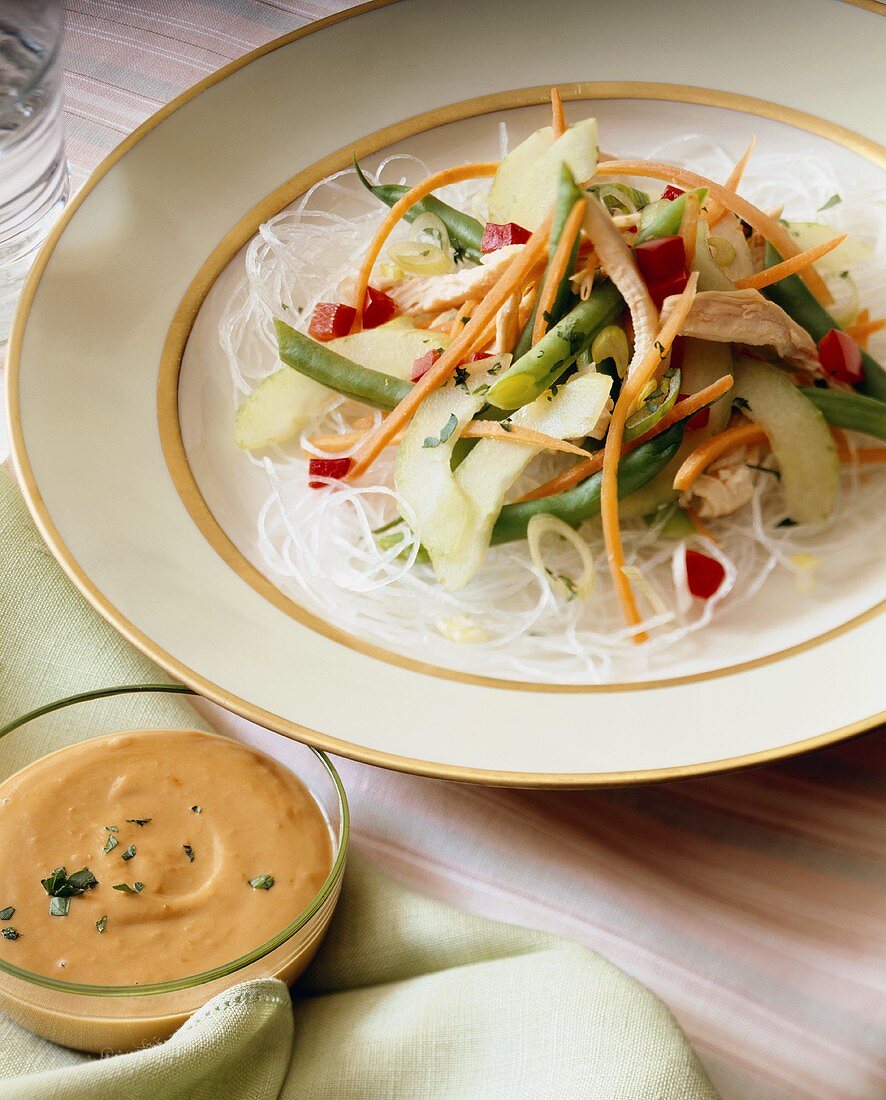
(681, 411)
(399, 209)
(768, 227)
(844, 451)
(789, 267)
(558, 118)
(703, 455)
(695, 520)
(870, 454)
(631, 388)
(861, 330)
(689, 227)
(717, 210)
(557, 268)
(512, 278)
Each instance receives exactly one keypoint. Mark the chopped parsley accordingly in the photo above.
(461, 376)
(764, 470)
(445, 432)
(834, 200)
(112, 828)
(10, 933)
(138, 820)
(262, 882)
(111, 843)
(844, 274)
(199, 809)
(189, 852)
(741, 403)
(478, 391)
(101, 923)
(135, 888)
(506, 425)
(787, 522)
(6, 914)
(567, 583)
(660, 348)
(58, 907)
(128, 854)
(59, 884)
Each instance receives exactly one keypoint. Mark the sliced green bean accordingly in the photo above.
(535, 371)
(576, 505)
(465, 232)
(851, 411)
(312, 359)
(568, 194)
(662, 218)
(797, 301)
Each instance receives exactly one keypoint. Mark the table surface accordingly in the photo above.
(754, 905)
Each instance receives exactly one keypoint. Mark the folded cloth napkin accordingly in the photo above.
(407, 998)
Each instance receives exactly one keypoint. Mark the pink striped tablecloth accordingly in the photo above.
(754, 905)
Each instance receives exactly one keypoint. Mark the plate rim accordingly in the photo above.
(859, 143)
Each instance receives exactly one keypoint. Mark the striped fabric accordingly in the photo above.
(754, 905)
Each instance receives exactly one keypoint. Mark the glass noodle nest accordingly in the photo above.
(516, 620)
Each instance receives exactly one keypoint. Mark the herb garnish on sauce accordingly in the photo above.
(138, 820)
(196, 809)
(135, 888)
(262, 882)
(189, 852)
(10, 933)
(101, 922)
(111, 843)
(6, 914)
(129, 853)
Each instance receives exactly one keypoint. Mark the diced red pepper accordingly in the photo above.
(697, 420)
(498, 236)
(670, 192)
(331, 320)
(424, 363)
(704, 575)
(326, 467)
(477, 356)
(664, 288)
(378, 308)
(840, 357)
(662, 258)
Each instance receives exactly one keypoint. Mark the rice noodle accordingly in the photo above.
(319, 547)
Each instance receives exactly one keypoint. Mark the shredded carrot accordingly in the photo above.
(462, 316)
(695, 520)
(558, 119)
(399, 209)
(870, 454)
(844, 451)
(717, 210)
(863, 328)
(768, 227)
(703, 455)
(689, 227)
(789, 267)
(475, 429)
(644, 371)
(557, 268)
(472, 336)
(681, 411)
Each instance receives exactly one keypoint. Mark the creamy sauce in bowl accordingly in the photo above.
(212, 846)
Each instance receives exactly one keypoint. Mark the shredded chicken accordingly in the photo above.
(432, 293)
(746, 317)
(507, 325)
(726, 485)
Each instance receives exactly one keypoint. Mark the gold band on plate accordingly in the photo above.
(175, 456)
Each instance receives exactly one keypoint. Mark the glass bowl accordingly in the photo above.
(109, 1019)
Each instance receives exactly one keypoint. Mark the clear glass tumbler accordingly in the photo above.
(33, 168)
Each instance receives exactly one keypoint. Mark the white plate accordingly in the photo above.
(140, 252)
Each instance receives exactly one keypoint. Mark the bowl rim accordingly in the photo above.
(191, 981)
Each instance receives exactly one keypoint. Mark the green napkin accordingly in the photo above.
(407, 998)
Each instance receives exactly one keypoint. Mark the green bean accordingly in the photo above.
(576, 505)
(543, 364)
(849, 410)
(465, 232)
(662, 218)
(797, 301)
(312, 359)
(568, 194)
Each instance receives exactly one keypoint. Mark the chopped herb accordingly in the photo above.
(445, 432)
(506, 425)
(458, 252)
(53, 880)
(788, 522)
(111, 843)
(478, 391)
(6, 914)
(834, 200)
(199, 809)
(58, 907)
(60, 884)
(660, 348)
(129, 853)
(139, 820)
(844, 274)
(112, 828)
(135, 888)
(764, 470)
(101, 923)
(567, 583)
(262, 882)
(464, 320)
(10, 933)
(741, 403)
(189, 852)
(283, 305)
(548, 317)
(461, 376)
(495, 369)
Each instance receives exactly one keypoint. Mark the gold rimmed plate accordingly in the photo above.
(122, 438)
